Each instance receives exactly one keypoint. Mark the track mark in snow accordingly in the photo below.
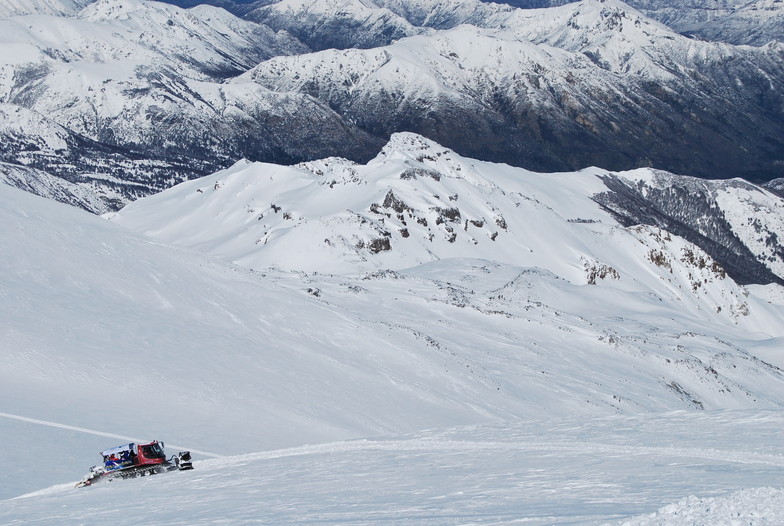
(59, 488)
(734, 456)
(98, 433)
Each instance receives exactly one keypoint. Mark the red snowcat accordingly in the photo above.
(135, 460)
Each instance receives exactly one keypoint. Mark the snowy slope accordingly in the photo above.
(48, 7)
(99, 324)
(533, 347)
(335, 23)
(614, 470)
(418, 202)
(421, 338)
(730, 219)
(421, 206)
(755, 22)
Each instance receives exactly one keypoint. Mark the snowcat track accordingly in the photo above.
(138, 471)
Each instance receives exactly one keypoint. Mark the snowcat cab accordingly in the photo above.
(136, 460)
(150, 454)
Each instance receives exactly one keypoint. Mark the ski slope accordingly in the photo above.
(706, 468)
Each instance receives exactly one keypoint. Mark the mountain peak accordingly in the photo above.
(612, 34)
(418, 201)
(409, 145)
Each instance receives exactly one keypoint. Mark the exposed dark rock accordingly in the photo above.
(690, 213)
(380, 244)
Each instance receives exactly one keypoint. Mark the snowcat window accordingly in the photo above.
(153, 451)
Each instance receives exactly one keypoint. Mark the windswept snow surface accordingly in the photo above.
(612, 470)
(49, 7)
(110, 332)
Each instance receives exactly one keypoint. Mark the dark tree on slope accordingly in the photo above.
(692, 215)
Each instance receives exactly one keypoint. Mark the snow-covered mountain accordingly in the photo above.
(752, 22)
(776, 186)
(133, 92)
(728, 219)
(335, 23)
(755, 22)
(157, 94)
(559, 89)
(443, 310)
(418, 202)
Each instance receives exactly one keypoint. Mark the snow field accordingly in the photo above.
(761, 507)
(564, 471)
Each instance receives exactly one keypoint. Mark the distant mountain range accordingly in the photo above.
(752, 22)
(109, 100)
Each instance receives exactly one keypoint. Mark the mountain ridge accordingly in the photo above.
(418, 201)
(613, 89)
(754, 23)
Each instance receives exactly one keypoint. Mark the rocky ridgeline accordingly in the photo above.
(150, 95)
